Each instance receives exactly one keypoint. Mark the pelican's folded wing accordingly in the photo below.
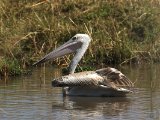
(105, 78)
(115, 78)
(89, 78)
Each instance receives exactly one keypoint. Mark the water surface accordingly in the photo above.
(32, 97)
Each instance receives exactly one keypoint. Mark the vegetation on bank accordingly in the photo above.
(122, 31)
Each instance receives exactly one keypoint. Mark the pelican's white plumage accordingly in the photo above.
(102, 82)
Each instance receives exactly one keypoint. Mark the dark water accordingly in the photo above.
(31, 97)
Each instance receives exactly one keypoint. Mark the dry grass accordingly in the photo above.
(122, 31)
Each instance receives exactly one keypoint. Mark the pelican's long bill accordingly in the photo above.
(69, 47)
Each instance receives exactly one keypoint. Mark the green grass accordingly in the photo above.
(122, 31)
(9, 67)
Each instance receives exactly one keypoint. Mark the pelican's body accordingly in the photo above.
(102, 82)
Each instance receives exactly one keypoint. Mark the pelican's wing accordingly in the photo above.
(114, 78)
(89, 78)
(106, 78)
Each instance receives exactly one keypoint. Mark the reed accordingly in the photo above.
(122, 31)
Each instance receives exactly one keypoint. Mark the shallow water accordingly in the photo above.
(32, 97)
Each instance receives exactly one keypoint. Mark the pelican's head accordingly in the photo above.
(83, 38)
(73, 45)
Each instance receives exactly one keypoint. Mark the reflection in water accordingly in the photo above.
(109, 106)
(93, 106)
(32, 97)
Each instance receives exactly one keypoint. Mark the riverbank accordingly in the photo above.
(122, 31)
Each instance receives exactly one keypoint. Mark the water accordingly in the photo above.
(32, 97)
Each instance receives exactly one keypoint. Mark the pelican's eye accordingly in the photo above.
(74, 38)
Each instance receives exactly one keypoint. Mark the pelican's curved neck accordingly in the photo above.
(77, 57)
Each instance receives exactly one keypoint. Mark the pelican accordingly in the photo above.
(102, 82)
